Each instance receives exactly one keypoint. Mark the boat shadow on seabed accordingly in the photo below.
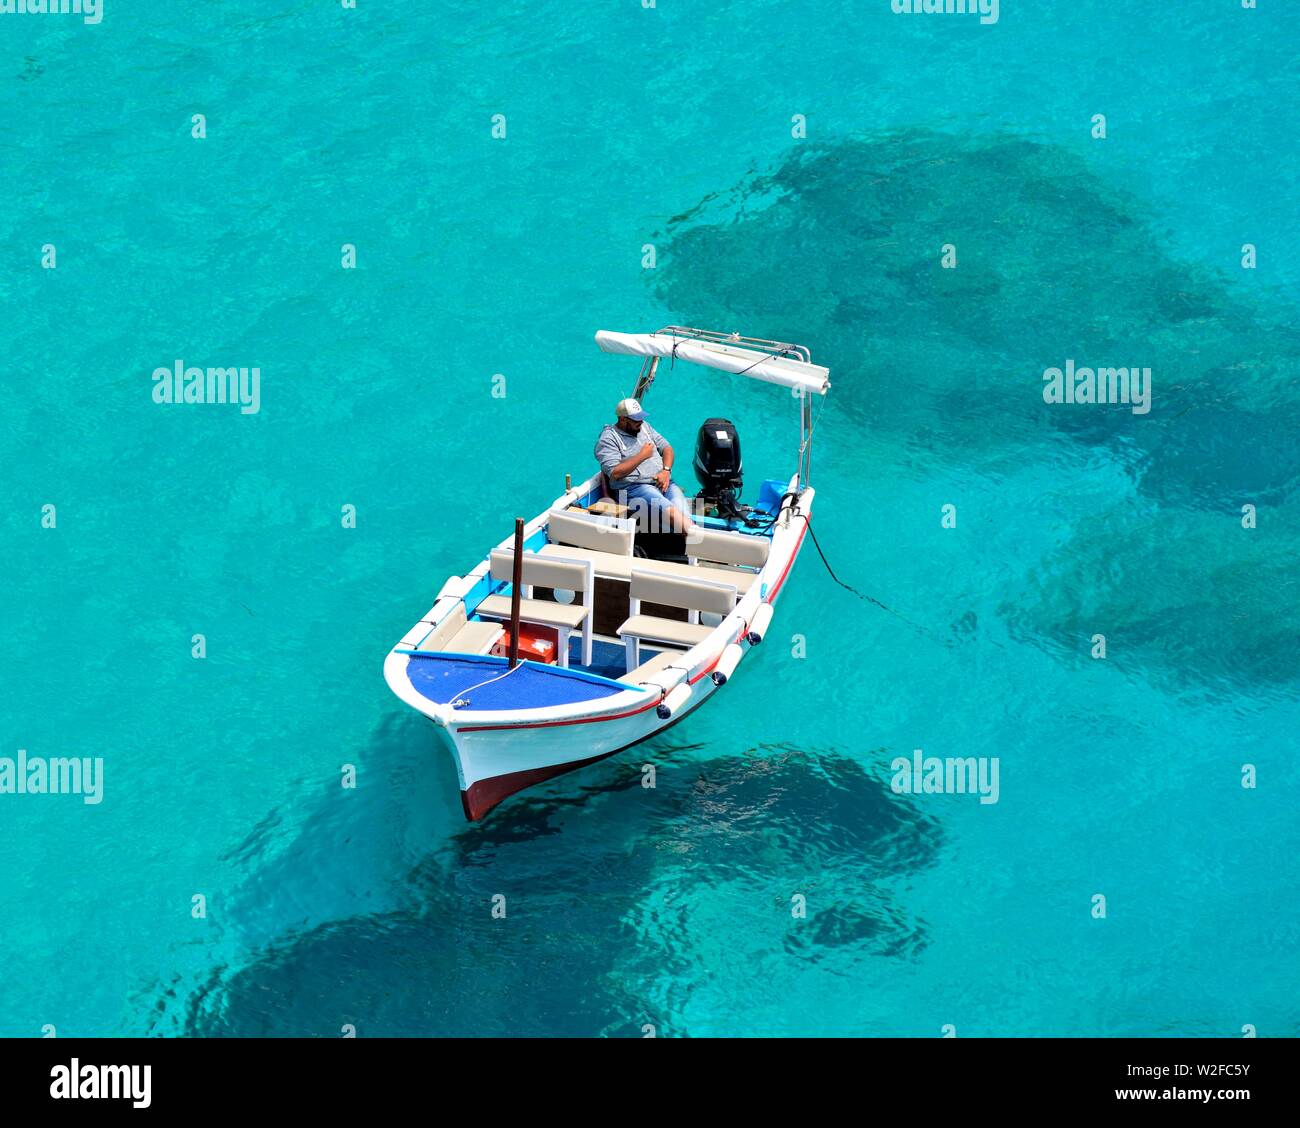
(1056, 248)
(591, 890)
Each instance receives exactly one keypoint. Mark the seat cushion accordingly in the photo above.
(535, 611)
(649, 669)
(608, 507)
(612, 567)
(731, 548)
(446, 630)
(548, 571)
(664, 630)
(474, 638)
(687, 592)
(600, 534)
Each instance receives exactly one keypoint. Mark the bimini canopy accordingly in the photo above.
(785, 365)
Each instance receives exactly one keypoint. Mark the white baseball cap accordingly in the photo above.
(631, 408)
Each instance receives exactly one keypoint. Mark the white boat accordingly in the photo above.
(637, 641)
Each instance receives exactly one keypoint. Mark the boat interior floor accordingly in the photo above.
(609, 659)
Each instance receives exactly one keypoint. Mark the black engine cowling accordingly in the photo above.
(718, 466)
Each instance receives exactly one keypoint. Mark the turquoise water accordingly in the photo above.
(476, 257)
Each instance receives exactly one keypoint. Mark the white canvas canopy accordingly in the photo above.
(787, 371)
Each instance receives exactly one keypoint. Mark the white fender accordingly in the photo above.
(674, 701)
(759, 624)
(727, 664)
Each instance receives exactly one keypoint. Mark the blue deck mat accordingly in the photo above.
(529, 687)
(608, 659)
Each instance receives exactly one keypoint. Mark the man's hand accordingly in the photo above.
(662, 479)
(631, 462)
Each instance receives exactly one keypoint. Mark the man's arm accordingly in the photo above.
(607, 452)
(624, 468)
(666, 453)
(665, 476)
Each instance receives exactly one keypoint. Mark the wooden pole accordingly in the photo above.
(515, 592)
(568, 482)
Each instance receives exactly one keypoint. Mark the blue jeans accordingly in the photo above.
(647, 498)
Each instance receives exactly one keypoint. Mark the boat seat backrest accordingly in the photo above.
(542, 571)
(678, 591)
(728, 548)
(445, 631)
(596, 534)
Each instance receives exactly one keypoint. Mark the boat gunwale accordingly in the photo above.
(555, 670)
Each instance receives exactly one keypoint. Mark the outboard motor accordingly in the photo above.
(717, 465)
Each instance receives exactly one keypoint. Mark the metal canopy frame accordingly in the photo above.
(650, 367)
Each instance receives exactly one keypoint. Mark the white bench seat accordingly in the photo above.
(610, 566)
(541, 611)
(568, 574)
(455, 634)
(692, 595)
(651, 628)
(475, 638)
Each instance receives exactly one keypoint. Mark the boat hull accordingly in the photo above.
(495, 762)
(500, 753)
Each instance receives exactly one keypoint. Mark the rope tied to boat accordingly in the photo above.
(462, 701)
(848, 587)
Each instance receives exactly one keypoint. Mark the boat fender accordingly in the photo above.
(759, 624)
(726, 666)
(673, 701)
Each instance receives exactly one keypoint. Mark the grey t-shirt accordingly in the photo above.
(616, 445)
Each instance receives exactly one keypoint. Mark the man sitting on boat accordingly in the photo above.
(638, 462)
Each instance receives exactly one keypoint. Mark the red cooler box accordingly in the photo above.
(537, 644)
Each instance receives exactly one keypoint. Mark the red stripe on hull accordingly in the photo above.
(794, 555)
(553, 724)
